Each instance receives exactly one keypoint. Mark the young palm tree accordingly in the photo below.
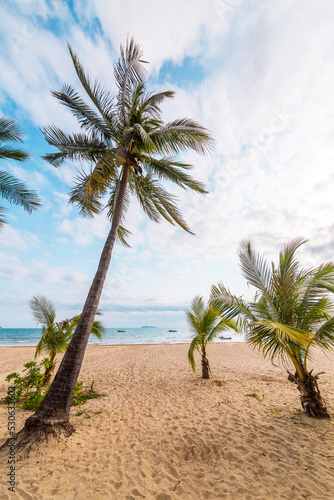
(206, 323)
(130, 149)
(56, 336)
(290, 315)
(11, 189)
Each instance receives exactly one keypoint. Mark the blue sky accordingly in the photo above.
(259, 74)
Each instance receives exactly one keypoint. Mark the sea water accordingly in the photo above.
(113, 336)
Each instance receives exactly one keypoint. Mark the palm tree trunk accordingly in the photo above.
(205, 365)
(55, 408)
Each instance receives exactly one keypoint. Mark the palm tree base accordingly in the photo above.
(37, 431)
(47, 419)
(311, 399)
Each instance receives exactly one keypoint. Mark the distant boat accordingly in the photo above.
(172, 330)
(225, 338)
(121, 331)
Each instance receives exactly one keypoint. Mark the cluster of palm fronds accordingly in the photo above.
(11, 189)
(291, 313)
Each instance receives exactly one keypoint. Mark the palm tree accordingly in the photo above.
(56, 336)
(130, 151)
(205, 322)
(11, 189)
(290, 315)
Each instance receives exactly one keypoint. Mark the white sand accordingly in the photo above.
(161, 434)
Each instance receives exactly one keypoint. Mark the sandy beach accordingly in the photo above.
(163, 433)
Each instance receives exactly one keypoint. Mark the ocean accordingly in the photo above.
(144, 335)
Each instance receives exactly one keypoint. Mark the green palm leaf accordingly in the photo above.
(17, 192)
(43, 310)
(180, 135)
(11, 189)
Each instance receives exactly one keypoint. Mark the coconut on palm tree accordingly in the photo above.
(290, 316)
(206, 322)
(56, 336)
(11, 189)
(130, 150)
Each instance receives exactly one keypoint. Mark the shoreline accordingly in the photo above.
(132, 345)
(163, 433)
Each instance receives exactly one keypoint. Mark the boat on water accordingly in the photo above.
(172, 330)
(121, 331)
(225, 338)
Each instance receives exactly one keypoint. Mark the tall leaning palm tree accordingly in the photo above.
(206, 323)
(11, 189)
(56, 335)
(130, 150)
(291, 314)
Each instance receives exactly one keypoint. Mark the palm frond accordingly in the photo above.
(10, 130)
(3, 219)
(98, 330)
(113, 195)
(180, 135)
(90, 188)
(195, 314)
(287, 261)
(128, 72)
(150, 103)
(85, 115)
(230, 305)
(194, 345)
(81, 146)
(102, 99)
(17, 192)
(257, 271)
(156, 201)
(167, 168)
(9, 153)
(86, 196)
(122, 234)
(325, 335)
(49, 338)
(43, 310)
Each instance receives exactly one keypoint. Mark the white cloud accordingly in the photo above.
(187, 26)
(21, 241)
(84, 231)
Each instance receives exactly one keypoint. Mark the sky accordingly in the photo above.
(257, 73)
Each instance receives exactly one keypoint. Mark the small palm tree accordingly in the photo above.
(130, 150)
(290, 315)
(11, 189)
(206, 323)
(56, 336)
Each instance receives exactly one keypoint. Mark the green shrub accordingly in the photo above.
(30, 392)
